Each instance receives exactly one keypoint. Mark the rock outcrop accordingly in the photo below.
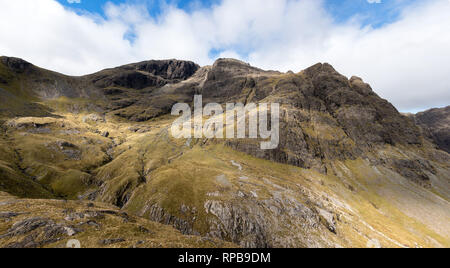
(436, 124)
(145, 74)
(55, 223)
(16, 64)
(324, 115)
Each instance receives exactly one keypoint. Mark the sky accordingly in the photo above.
(400, 47)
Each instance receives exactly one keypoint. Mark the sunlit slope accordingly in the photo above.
(211, 189)
(350, 170)
(205, 188)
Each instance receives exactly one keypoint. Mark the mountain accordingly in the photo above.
(436, 123)
(349, 171)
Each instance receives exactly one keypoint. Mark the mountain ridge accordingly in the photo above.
(348, 165)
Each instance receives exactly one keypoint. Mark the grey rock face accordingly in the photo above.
(363, 115)
(156, 213)
(436, 125)
(26, 226)
(145, 74)
(254, 224)
(130, 79)
(39, 231)
(237, 224)
(324, 115)
(415, 171)
(169, 69)
(16, 64)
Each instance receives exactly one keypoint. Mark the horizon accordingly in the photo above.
(111, 67)
(397, 46)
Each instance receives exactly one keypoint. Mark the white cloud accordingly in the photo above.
(406, 61)
(74, 1)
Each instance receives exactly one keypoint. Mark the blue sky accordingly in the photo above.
(373, 14)
(153, 6)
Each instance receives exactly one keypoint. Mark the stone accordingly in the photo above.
(234, 163)
(108, 242)
(8, 215)
(328, 219)
(70, 231)
(95, 118)
(26, 226)
(144, 230)
(223, 181)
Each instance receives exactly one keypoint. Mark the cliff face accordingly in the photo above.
(325, 116)
(349, 171)
(436, 124)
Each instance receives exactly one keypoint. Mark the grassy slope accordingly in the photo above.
(136, 232)
(15, 99)
(150, 168)
(190, 178)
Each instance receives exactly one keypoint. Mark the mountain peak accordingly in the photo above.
(15, 64)
(320, 68)
(234, 66)
(227, 61)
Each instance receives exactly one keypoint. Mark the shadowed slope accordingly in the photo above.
(436, 123)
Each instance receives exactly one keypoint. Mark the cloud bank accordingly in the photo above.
(404, 61)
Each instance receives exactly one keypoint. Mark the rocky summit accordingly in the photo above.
(92, 158)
